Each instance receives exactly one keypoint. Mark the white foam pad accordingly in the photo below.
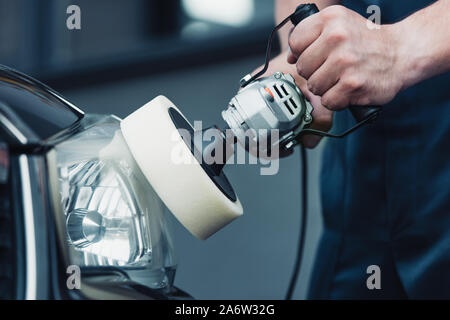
(184, 186)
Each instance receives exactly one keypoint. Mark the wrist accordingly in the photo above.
(414, 63)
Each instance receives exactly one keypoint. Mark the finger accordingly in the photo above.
(337, 97)
(291, 58)
(313, 57)
(324, 78)
(290, 30)
(303, 35)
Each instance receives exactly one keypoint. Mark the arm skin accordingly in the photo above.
(427, 49)
(322, 116)
(347, 63)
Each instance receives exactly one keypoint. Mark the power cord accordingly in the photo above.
(304, 215)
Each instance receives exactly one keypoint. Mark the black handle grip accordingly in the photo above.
(302, 12)
(361, 113)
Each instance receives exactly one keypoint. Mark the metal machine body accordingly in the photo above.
(268, 104)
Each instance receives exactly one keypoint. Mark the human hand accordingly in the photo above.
(322, 117)
(344, 61)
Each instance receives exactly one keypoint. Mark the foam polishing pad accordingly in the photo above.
(203, 201)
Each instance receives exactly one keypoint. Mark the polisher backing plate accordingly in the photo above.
(174, 172)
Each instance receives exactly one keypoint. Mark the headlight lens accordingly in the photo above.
(103, 219)
(113, 216)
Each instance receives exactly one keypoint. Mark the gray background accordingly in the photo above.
(253, 257)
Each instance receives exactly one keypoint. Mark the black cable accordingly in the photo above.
(304, 211)
(268, 51)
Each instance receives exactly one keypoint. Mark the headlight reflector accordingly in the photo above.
(113, 216)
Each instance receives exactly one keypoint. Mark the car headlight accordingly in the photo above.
(113, 216)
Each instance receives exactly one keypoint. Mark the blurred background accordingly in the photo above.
(194, 52)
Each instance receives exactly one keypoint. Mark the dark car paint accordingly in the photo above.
(43, 111)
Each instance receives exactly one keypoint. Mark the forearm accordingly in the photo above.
(284, 8)
(425, 45)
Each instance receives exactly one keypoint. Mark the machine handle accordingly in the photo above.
(302, 12)
(361, 113)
